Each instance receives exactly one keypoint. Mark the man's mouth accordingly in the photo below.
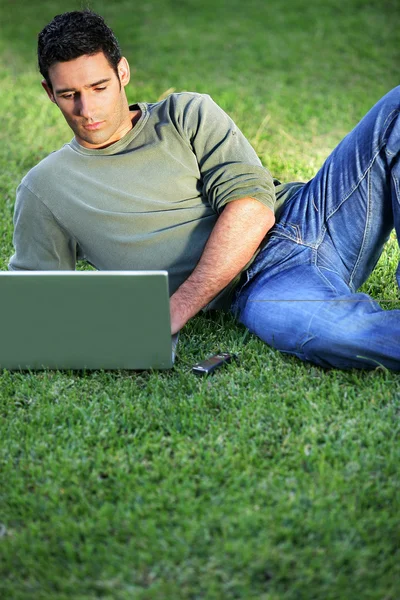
(93, 126)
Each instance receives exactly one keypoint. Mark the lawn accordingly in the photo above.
(271, 480)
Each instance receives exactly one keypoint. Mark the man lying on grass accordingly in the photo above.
(175, 185)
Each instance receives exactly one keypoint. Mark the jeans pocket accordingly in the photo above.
(287, 230)
(280, 253)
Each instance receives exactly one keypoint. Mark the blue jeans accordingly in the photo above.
(301, 292)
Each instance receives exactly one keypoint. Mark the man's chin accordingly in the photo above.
(95, 139)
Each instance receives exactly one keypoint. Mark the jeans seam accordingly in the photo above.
(321, 237)
(394, 112)
(366, 231)
(355, 187)
(397, 188)
(328, 283)
(296, 240)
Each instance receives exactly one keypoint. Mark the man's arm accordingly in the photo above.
(40, 242)
(237, 234)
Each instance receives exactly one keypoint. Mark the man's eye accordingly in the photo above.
(67, 96)
(100, 89)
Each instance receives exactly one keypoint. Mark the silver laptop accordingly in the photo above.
(85, 320)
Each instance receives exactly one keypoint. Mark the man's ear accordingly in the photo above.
(124, 71)
(49, 91)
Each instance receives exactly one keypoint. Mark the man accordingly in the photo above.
(175, 185)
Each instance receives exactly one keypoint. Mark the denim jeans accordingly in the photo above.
(301, 292)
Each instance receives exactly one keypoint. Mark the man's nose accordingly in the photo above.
(85, 107)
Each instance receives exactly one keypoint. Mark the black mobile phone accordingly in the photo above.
(209, 365)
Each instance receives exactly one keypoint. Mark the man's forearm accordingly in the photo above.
(236, 235)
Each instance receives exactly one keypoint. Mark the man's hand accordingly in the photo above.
(237, 234)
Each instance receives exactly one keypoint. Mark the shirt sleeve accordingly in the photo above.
(40, 242)
(229, 166)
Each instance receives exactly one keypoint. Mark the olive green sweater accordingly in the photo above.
(147, 202)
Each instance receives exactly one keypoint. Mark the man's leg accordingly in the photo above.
(300, 309)
(300, 297)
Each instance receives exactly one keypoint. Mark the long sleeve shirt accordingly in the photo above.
(147, 202)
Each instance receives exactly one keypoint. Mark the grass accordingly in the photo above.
(272, 480)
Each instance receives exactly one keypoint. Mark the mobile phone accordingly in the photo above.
(209, 365)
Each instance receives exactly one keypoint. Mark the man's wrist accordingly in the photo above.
(181, 310)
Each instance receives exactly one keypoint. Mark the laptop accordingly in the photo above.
(85, 320)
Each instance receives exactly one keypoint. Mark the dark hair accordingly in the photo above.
(74, 34)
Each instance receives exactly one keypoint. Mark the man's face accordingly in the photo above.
(92, 98)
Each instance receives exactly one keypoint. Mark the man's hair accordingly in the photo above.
(74, 34)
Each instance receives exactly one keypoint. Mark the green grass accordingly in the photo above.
(272, 480)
